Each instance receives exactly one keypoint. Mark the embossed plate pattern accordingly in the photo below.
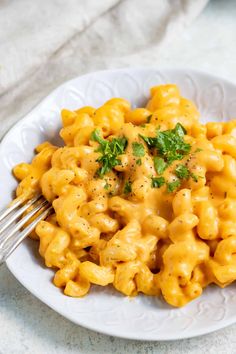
(105, 310)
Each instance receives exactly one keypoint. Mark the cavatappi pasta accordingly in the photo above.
(144, 199)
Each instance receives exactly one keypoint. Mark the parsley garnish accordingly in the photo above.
(110, 150)
(170, 144)
(138, 149)
(106, 186)
(151, 142)
(128, 187)
(194, 177)
(157, 182)
(139, 162)
(182, 172)
(95, 136)
(172, 186)
(159, 164)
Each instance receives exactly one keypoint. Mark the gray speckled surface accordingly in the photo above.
(29, 326)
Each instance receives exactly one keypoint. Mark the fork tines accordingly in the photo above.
(11, 224)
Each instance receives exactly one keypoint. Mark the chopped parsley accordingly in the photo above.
(170, 144)
(183, 172)
(95, 136)
(128, 187)
(159, 164)
(138, 149)
(194, 177)
(110, 150)
(149, 118)
(172, 186)
(157, 182)
(106, 186)
(139, 162)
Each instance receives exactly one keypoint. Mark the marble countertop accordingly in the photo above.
(27, 325)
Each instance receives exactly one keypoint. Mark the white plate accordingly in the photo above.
(105, 310)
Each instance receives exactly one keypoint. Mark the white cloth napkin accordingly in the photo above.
(43, 43)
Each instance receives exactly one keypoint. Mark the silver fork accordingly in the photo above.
(11, 232)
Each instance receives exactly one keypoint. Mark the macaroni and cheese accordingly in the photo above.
(144, 199)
